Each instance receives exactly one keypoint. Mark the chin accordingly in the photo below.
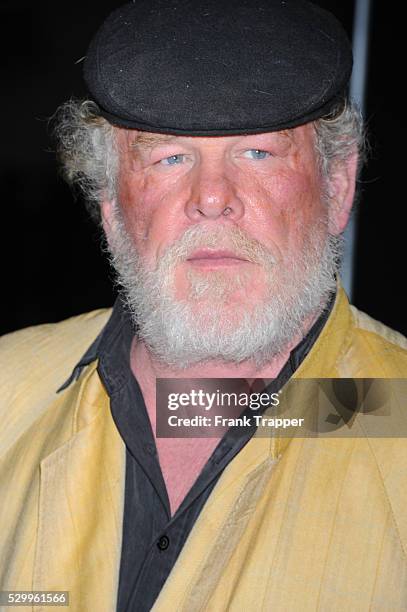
(232, 289)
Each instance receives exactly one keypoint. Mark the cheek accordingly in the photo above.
(289, 203)
(134, 212)
(150, 211)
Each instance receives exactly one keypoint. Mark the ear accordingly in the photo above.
(106, 213)
(341, 193)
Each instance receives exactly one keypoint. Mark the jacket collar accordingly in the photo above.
(320, 362)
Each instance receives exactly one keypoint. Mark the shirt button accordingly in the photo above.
(163, 543)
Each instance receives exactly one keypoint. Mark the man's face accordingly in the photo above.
(230, 224)
(270, 183)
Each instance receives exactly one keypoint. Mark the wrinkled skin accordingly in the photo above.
(269, 183)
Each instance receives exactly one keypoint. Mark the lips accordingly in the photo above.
(214, 254)
(212, 257)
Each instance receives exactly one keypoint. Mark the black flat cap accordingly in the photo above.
(217, 67)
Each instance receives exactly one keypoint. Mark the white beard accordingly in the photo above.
(204, 327)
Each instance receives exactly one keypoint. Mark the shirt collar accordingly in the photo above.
(119, 325)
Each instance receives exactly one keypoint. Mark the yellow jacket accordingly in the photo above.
(292, 525)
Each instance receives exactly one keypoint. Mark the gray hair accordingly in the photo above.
(339, 135)
(86, 146)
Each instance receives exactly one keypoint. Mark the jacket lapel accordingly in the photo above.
(81, 503)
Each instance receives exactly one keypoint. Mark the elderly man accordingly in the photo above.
(219, 152)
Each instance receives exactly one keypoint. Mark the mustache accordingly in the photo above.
(232, 238)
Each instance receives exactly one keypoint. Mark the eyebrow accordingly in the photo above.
(288, 133)
(149, 140)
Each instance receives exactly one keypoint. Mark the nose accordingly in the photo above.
(213, 196)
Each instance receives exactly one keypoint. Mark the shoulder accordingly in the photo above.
(380, 350)
(378, 331)
(43, 356)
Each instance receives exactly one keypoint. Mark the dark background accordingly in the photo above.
(52, 267)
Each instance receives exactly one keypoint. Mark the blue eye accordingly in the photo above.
(257, 154)
(173, 160)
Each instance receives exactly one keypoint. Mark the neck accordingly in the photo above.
(182, 459)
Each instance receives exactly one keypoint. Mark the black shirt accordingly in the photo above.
(152, 539)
